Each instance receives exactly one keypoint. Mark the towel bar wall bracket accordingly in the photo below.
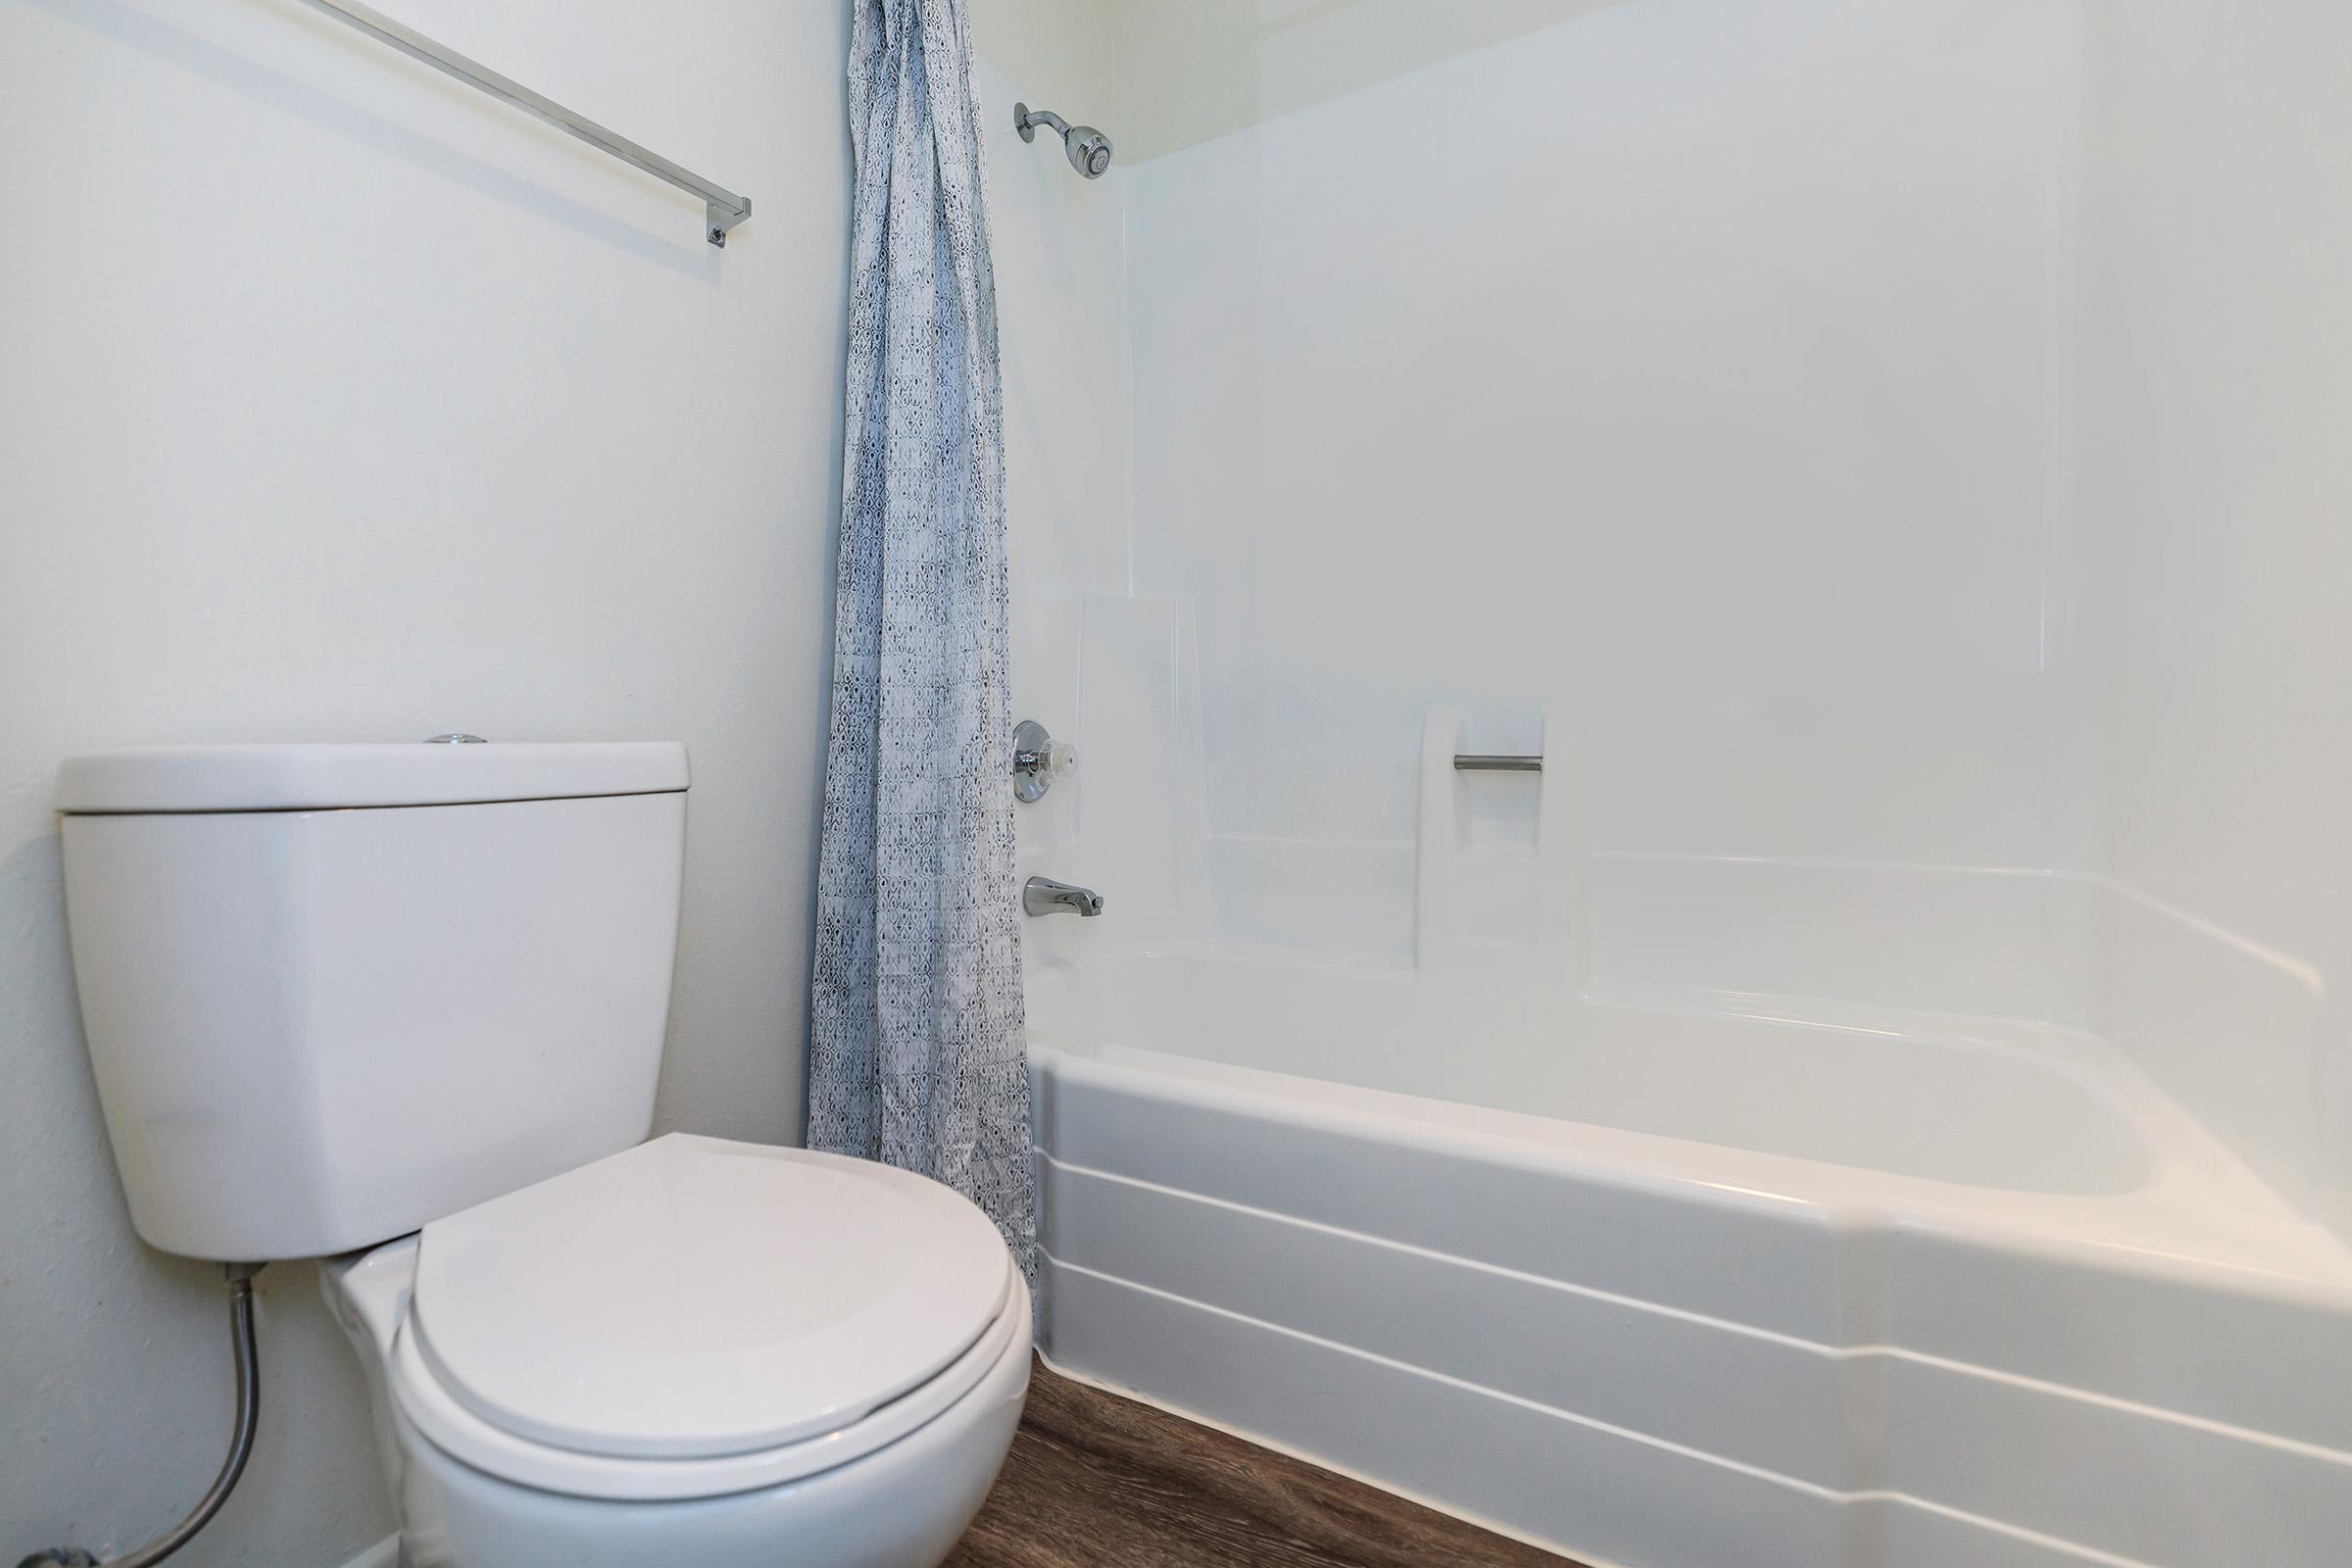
(722, 208)
(721, 220)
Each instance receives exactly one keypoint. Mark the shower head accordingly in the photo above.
(1089, 149)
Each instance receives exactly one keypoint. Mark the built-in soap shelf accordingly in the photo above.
(1496, 847)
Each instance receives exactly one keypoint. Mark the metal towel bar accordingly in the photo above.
(1487, 762)
(723, 209)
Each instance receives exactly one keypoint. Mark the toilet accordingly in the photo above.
(401, 1007)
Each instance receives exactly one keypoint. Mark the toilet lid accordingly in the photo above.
(691, 1298)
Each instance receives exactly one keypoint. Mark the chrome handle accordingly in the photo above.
(1038, 759)
(1490, 762)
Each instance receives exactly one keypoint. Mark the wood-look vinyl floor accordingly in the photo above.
(1096, 1480)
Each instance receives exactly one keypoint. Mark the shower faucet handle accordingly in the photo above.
(1038, 759)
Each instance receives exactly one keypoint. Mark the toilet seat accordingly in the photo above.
(458, 1432)
(694, 1316)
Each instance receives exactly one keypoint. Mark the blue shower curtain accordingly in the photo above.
(916, 1051)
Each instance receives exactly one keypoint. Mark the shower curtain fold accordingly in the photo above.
(916, 1053)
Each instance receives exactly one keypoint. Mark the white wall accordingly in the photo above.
(1892, 452)
(1059, 246)
(1062, 306)
(2216, 392)
(341, 402)
(1191, 71)
(1678, 370)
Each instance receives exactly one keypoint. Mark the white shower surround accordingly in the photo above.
(1546, 1232)
(1830, 433)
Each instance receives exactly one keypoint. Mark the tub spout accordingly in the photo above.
(1042, 895)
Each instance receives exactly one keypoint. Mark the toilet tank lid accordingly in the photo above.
(324, 777)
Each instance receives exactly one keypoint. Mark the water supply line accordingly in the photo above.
(241, 1444)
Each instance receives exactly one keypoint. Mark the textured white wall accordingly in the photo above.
(341, 402)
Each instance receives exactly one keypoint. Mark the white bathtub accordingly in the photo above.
(1671, 1278)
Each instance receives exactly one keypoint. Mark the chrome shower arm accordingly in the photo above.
(1026, 120)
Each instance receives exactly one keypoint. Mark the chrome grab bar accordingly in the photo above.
(1489, 762)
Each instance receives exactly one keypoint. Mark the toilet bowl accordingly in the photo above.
(692, 1351)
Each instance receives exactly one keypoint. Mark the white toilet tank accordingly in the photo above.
(335, 991)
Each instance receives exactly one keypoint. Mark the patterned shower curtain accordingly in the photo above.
(916, 1050)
